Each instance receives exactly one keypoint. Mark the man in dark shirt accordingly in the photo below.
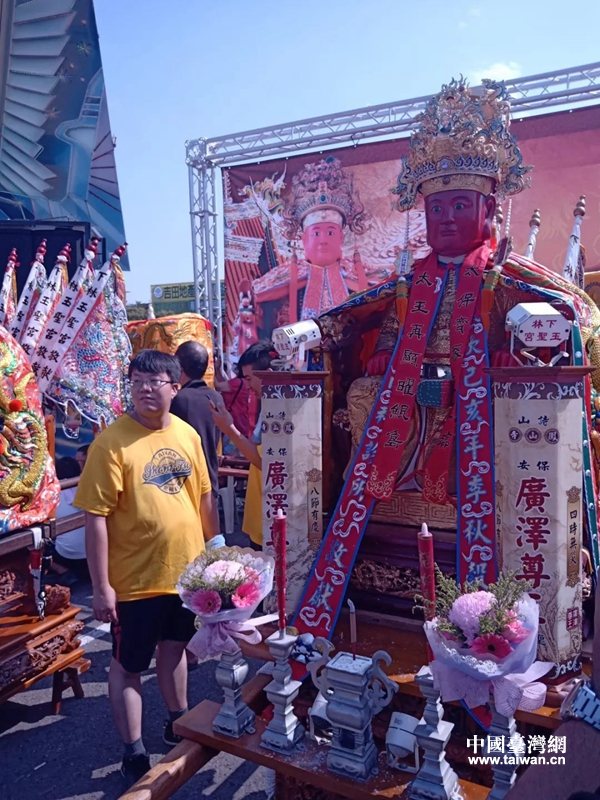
(192, 404)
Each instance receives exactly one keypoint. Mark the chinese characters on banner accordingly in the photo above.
(291, 472)
(538, 458)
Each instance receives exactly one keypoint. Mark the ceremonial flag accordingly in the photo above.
(54, 305)
(84, 364)
(36, 281)
(8, 292)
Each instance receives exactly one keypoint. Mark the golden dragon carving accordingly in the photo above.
(23, 445)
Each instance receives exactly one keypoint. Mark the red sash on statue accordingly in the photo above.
(374, 469)
(467, 307)
(407, 363)
(319, 281)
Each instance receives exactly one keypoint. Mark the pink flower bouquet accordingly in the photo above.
(223, 587)
(484, 641)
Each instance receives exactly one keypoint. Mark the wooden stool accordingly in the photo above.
(68, 678)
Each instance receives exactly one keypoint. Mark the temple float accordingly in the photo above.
(459, 403)
(459, 400)
(410, 432)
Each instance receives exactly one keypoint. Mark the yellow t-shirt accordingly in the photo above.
(252, 522)
(148, 485)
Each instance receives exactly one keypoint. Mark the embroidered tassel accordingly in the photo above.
(65, 274)
(494, 238)
(401, 299)
(487, 297)
(496, 229)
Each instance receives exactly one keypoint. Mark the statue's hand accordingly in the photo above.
(378, 363)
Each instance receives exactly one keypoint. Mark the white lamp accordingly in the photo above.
(292, 342)
(538, 325)
(400, 742)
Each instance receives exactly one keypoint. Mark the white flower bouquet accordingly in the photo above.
(484, 641)
(224, 587)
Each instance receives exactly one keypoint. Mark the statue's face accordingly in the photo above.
(323, 243)
(458, 221)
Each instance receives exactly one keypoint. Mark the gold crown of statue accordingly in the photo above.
(463, 142)
(324, 192)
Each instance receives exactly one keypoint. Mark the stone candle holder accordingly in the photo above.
(436, 780)
(285, 730)
(235, 718)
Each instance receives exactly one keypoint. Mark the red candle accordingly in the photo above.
(427, 574)
(279, 542)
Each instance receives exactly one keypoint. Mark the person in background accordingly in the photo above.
(258, 357)
(192, 405)
(236, 396)
(149, 510)
(68, 558)
(81, 456)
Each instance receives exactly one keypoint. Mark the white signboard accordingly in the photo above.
(291, 472)
(538, 462)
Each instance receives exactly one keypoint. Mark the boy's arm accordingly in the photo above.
(104, 603)
(209, 516)
(224, 422)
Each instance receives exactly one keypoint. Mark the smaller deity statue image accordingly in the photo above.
(324, 206)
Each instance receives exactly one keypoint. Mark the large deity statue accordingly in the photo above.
(323, 204)
(439, 329)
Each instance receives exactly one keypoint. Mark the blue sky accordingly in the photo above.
(190, 68)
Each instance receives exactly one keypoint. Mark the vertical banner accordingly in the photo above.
(539, 474)
(292, 471)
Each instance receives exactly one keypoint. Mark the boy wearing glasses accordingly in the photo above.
(149, 509)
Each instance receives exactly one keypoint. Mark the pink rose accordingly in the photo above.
(515, 632)
(449, 636)
(251, 575)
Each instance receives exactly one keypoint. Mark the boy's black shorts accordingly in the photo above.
(143, 624)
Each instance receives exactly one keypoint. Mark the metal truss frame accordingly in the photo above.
(575, 87)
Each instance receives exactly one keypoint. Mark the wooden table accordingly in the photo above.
(201, 744)
(306, 763)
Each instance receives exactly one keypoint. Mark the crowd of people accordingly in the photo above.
(149, 487)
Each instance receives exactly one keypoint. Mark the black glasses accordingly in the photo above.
(154, 384)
